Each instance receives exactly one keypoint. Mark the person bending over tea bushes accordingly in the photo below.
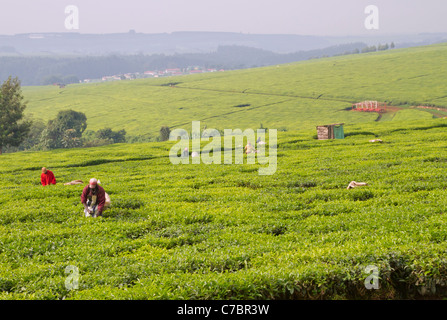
(47, 177)
(94, 199)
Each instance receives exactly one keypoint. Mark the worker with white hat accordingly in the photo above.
(93, 198)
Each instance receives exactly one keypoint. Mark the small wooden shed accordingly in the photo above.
(330, 131)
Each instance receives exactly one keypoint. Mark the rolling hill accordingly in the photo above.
(289, 96)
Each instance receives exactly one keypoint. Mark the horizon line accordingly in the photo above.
(133, 32)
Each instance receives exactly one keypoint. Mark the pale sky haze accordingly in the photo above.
(318, 17)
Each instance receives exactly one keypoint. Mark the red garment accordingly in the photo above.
(100, 196)
(47, 178)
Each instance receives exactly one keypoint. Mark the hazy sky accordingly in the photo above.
(317, 17)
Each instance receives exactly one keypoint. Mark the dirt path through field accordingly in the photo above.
(390, 111)
(439, 115)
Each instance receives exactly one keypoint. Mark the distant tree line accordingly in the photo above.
(380, 47)
(66, 130)
(45, 70)
(19, 132)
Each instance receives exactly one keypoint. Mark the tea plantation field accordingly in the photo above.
(226, 232)
(291, 96)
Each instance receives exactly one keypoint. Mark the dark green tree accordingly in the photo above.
(109, 134)
(164, 133)
(13, 128)
(32, 141)
(70, 139)
(55, 134)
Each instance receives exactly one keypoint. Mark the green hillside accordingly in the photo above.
(292, 96)
(225, 232)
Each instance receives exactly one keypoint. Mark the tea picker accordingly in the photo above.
(94, 199)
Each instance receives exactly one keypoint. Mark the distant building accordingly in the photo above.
(175, 70)
(331, 131)
(130, 76)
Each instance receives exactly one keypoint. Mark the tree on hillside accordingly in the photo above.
(13, 128)
(369, 49)
(32, 141)
(65, 131)
(109, 134)
(383, 47)
(70, 139)
(164, 133)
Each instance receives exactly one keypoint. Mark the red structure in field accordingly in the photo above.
(369, 106)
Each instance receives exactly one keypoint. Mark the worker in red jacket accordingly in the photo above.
(93, 198)
(47, 177)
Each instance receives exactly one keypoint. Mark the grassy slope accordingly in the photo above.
(223, 231)
(283, 96)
